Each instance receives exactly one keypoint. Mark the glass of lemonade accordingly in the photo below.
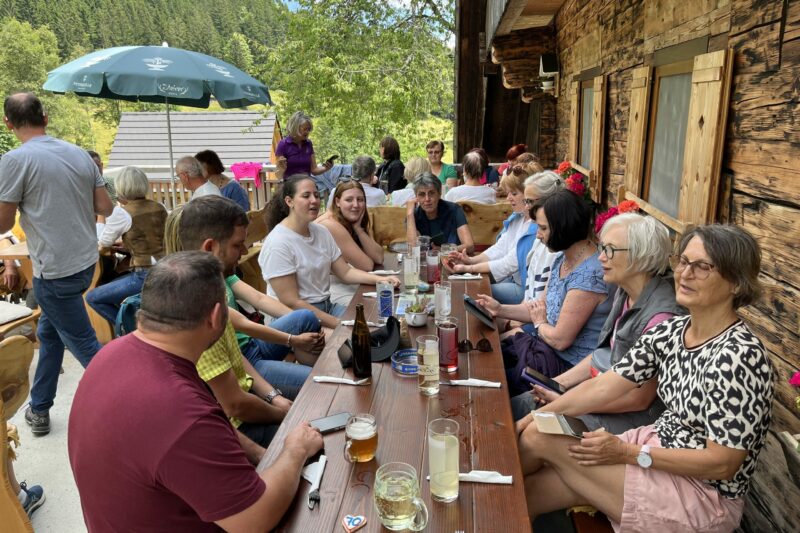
(361, 438)
(428, 364)
(442, 298)
(397, 498)
(443, 456)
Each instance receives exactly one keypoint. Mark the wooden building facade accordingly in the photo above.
(690, 106)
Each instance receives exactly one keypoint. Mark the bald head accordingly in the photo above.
(472, 165)
(24, 110)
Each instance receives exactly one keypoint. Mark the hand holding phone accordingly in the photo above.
(332, 423)
(330, 160)
(535, 377)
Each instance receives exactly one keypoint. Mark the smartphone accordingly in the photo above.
(478, 311)
(331, 159)
(537, 378)
(332, 423)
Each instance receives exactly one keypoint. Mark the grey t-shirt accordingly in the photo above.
(53, 183)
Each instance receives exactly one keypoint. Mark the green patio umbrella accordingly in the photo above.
(159, 74)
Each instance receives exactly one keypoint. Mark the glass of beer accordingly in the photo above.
(443, 456)
(397, 498)
(361, 438)
(428, 364)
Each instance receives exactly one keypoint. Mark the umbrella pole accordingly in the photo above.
(171, 159)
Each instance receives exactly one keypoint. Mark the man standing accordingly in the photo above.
(190, 172)
(174, 457)
(58, 191)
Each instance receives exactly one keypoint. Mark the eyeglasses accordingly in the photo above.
(609, 250)
(700, 269)
(530, 201)
(465, 346)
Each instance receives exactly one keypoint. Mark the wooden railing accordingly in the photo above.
(161, 188)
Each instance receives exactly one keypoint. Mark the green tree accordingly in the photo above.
(237, 52)
(362, 70)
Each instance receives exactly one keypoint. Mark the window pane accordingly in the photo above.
(668, 142)
(587, 106)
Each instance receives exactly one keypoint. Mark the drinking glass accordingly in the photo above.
(397, 498)
(441, 297)
(443, 457)
(447, 330)
(445, 252)
(432, 259)
(361, 438)
(428, 364)
(410, 273)
(385, 293)
(424, 243)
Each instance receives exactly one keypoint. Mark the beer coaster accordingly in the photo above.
(353, 523)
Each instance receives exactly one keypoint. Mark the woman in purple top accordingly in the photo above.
(295, 152)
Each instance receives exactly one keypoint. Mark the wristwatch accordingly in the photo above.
(644, 459)
(272, 395)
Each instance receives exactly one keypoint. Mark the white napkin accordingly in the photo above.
(472, 382)
(352, 323)
(342, 381)
(370, 295)
(385, 272)
(313, 472)
(464, 276)
(484, 476)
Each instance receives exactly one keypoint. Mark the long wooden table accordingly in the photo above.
(487, 436)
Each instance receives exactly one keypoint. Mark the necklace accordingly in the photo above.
(569, 266)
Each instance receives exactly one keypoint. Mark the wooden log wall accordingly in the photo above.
(760, 174)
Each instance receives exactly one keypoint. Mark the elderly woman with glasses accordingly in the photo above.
(715, 379)
(634, 253)
(443, 221)
(295, 152)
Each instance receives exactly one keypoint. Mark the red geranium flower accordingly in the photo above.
(628, 206)
(794, 381)
(563, 167)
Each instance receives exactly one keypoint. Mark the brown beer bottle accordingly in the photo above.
(362, 351)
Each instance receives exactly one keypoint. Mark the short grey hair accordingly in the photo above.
(648, 245)
(415, 167)
(132, 183)
(296, 122)
(190, 165)
(546, 182)
(426, 180)
(363, 168)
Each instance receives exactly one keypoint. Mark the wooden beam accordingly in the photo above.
(512, 12)
(527, 44)
(520, 73)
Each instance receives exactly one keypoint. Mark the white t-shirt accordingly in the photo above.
(472, 193)
(401, 196)
(206, 189)
(374, 195)
(309, 258)
(540, 262)
(116, 226)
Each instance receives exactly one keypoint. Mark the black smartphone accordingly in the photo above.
(478, 311)
(537, 378)
(332, 423)
(331, 159)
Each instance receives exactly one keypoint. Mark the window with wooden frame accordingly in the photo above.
(676, 131)
(587, 128)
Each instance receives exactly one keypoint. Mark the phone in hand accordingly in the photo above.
(331, 159)
(332, 423)
(535, 377)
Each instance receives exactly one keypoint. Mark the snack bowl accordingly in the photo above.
(404, 362)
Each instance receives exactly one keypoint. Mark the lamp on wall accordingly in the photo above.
(548, 71)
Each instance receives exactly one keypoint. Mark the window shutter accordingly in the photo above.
(705, 135)
(598, 140)
(574, 120)
(637, 130)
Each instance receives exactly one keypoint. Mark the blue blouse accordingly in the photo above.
(588, 276)
(236, 192)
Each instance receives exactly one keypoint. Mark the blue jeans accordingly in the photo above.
(64, 322)
(326, 306)
(508, 292)
(296, 322)
(106, 299)
(288, 377)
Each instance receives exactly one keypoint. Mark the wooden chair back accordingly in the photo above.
(16, 354)
(485, 221)
(387, 224)
(103, 329)
(257, 227)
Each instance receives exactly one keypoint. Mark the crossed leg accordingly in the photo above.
(560, 482)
